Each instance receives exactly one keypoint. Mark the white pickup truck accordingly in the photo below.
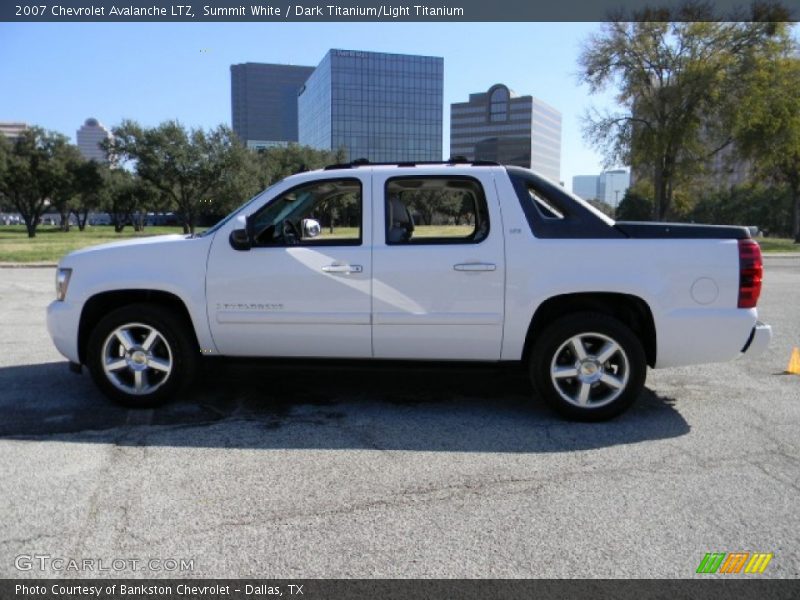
(442, 262)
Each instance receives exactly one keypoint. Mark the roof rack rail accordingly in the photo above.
(455, 160)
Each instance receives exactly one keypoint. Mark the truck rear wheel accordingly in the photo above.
(140, 355)
(588, 366)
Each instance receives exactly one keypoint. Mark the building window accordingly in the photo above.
(498, 103)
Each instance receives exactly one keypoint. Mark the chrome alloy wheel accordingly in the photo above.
(137, 358)
(590, 370)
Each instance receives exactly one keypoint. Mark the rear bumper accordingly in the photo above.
(696, 336)
(758, 341)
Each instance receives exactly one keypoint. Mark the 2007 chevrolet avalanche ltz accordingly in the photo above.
(444, 262)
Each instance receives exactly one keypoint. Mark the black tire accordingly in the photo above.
(173, 346)
(588, 389)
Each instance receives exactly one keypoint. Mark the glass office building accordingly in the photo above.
(264, 102)
(500, 126)
(382, 107)
(608, 186)
(586, 186)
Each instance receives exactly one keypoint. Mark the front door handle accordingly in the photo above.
(343, 268)
(476, 266)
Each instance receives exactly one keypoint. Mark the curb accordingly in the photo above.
(33, 265)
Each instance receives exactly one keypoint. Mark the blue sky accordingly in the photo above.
(58, 74)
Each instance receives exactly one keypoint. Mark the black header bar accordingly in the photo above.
(392, 11)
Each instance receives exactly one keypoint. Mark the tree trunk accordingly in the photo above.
(188, 222)
(30, 225)
(657, 189)
(82, 218)
(661, 202)
(65, 220)
(796, 212)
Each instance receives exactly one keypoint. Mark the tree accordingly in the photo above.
(767, 125)
(5, 157)
(273, 164)
(88, 181)
(766, 207)
(34, 169)
(677, 75)
(634, 207)
(66, 194)
(437, 206)
(125, 196)
(603, 206)
(189, 167)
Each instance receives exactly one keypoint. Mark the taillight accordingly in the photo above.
(751, 272)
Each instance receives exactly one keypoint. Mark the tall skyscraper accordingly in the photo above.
(382, 107)
(608, 186)
(612, 186)
(500, 126)
(264, 102)
(586, 186)
(89, 137)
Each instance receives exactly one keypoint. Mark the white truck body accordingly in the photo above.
(451, 301)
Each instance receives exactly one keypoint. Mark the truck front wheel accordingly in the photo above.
(140, 355)
(588, 366)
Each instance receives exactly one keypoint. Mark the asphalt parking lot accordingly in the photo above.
(392, 472)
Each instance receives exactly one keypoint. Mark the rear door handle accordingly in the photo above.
(343, 268)
(475, 267)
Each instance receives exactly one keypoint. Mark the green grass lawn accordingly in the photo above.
(50, 243)
(778, 245)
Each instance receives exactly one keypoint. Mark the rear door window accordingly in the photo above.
(435, 210)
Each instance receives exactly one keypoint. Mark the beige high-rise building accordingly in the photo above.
(89, 137)
(500, 126)
(11, 130)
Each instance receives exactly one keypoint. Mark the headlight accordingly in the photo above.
(62, 281)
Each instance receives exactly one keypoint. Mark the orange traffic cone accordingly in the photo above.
(794, 362)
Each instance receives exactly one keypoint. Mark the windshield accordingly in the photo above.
(233, 213)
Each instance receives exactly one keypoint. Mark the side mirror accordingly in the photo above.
(311, 228)
(240, 240)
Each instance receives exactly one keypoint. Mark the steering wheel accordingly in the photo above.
(291, 234)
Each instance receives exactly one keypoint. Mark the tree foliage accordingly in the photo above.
(80, 189)
(34, 168)
(127, 198)
(273, 164)
(764, 206)
(89, 177)
(634, 206)
(603, 206)
(190, 167)
(767, 125)
(677, 82)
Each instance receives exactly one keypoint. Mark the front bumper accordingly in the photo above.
(62, 324)
(758, 341)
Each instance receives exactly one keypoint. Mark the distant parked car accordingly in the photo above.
(10, 219)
